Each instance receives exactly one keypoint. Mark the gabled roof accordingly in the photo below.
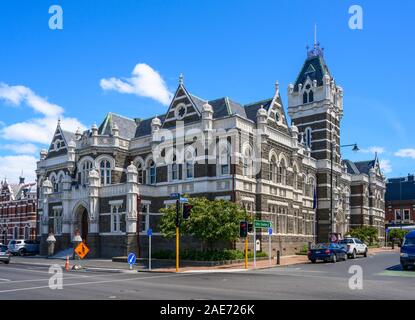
(361, 167)
(127, 127)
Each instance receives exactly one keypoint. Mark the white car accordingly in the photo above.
(353, 247)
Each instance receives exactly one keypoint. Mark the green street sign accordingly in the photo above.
(262, 224)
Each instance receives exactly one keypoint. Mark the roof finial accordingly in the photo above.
(181, 78)
(59, 121)
(315, 34)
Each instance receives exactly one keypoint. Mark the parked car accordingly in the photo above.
(327, 252)
(5, 254)
(23, 247)
(354, 247)
(408, 251)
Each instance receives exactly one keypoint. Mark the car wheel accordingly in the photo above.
(345, 257)
(6, 262)
(365, 254)
(313, 261)
(405, 267)
(22, 252)
(334, 258)
(354, 254)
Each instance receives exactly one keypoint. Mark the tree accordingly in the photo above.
(365, 234)
(209, 221)
(397, 234)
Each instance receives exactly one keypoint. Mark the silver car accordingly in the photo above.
(5, 254)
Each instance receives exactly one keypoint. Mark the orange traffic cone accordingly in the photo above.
(67, 263)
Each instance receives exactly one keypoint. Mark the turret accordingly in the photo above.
(207, 117)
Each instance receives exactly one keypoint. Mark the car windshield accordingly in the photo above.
(409, 242)
(346, 241)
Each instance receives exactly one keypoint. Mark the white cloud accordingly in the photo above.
(406, 153)
(16, 95)
(374, 149)
(11, 168)
(385, 166)
(145, 82)
(23, 148)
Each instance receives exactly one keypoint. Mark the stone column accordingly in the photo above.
(93, 232)
(46, 190)
(131, 216)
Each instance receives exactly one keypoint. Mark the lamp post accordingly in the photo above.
(333, 144)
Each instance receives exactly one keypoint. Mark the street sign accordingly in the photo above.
(175, 195)
(262, 224)
(270, 231)
(81, 250)
(131, 259)
(184, 199)
(149, 232)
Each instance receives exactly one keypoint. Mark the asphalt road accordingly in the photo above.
(382, 279)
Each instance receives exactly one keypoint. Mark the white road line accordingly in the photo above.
(31, 270)
(94, 282)
(1, 279)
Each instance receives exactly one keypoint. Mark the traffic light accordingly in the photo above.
(250, 227)
(187, 208)
(243, 229)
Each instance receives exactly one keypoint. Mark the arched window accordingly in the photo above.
(282, 177)
(189, 158)
(247, 162)
(305, 97)
(26, 233)
(273, 167)
(295, 178)
(311, 96)
(60, 183)
(224, 157)
(140, 172)
(174, 169)
(54, 183)
(85, 169)
(151, 172)
(105, 172)
(308, 137)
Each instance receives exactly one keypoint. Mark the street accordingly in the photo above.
(382, 279)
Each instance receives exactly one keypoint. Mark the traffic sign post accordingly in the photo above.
(150, 234)
(131, 259)
(269, 242)
(260, 224)
(254, 246)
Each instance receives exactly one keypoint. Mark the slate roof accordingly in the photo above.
(126, 125)
(360, 167)
(252, 109)
(320, 69)
(68, 136)
(400, 189)
(144, 126)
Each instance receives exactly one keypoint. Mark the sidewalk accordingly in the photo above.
(107, 265)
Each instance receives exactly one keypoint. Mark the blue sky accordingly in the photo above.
(223, 48)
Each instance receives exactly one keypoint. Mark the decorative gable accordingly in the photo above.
(182, 108)
(276, 114)
(59, 143)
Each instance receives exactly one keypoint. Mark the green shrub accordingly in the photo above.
(210, 255)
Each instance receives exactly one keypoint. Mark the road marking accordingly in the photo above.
(1, 279)
(38, 271)
(95, 282)
(391, 273)
(215, 271)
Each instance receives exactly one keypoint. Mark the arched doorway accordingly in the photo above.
(81, 222)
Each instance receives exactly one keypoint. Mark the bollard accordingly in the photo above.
(278, 257)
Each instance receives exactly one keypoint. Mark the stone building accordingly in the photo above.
(110, 181)
(18, 210)
(349, 194)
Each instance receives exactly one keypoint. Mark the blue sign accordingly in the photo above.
(149, 232)
(175, 195)
(131, 258)
(270, 231)
(184, 199)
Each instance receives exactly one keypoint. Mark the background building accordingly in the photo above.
(18, 210)
(400, 201)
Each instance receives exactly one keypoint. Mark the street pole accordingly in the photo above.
(331, 189)
(254, 246)
(177, 234)
(246, 252)
(149, 253)
(269, 242)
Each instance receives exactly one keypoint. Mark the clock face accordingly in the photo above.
(180, 111)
